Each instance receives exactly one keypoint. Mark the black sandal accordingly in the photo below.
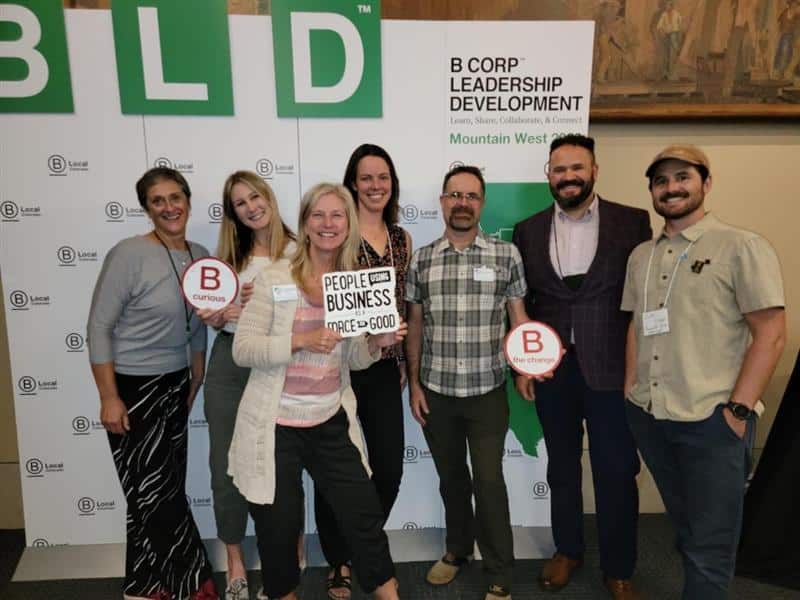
(338, 579)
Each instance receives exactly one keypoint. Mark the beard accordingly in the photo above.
(572, 202)
(666, 210)
(461, 224)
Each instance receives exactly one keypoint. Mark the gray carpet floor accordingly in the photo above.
(658, 576)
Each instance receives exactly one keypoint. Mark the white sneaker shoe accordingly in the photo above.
(237, 590)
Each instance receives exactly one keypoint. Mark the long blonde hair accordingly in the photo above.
(236, 239)
(347, 257)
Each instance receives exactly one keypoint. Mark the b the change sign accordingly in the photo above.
(359, 302)
(533, 348)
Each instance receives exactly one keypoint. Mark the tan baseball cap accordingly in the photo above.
(689, 154)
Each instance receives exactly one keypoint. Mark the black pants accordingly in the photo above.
(334, 464)
(480, 422)
(380, 411)
(164, 551)
(563, 403)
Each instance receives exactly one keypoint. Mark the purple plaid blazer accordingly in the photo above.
(593, 310)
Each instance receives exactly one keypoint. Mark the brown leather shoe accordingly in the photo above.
(557, 571)
(621, 589)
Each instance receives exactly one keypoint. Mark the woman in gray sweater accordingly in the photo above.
(139, 330)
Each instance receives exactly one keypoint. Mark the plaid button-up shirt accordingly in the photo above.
(464, 295)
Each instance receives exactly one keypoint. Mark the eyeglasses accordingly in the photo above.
(457, 196)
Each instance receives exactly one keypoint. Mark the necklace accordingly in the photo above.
(186, 311)
(388, 241)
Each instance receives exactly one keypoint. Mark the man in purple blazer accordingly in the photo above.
(575, 255)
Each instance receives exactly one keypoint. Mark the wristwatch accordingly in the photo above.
(740, 411)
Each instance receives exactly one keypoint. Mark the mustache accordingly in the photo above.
(670, 195)
(463, 210)
(568, 182)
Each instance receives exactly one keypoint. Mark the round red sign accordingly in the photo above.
(533, 348)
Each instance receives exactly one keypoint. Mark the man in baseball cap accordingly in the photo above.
(706, 332)
(685, 153)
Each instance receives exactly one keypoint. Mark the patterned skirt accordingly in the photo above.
(164, 553)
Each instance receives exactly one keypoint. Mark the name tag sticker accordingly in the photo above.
(483, 274)
(655, 322)
(284, 293)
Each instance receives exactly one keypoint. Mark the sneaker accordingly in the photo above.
(261, 595)
(237, 590)
(498, 592)
(445, 569)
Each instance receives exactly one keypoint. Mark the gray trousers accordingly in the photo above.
(224, 385)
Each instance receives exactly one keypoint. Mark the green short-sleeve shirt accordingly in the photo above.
(722, 273)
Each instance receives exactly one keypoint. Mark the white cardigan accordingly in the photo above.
(263, 342)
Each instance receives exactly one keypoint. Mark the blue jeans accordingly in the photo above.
(700, 468)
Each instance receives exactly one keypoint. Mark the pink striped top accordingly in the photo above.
(313, 380)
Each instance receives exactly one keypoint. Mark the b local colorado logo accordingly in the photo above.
(327, 60)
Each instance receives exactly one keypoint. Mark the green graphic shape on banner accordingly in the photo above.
(34, 62)
(506, 205)
(173, 58)
(327, 58)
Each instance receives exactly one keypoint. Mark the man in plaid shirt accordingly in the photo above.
(458, 290)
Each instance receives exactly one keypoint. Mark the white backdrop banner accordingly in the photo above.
(104, 97)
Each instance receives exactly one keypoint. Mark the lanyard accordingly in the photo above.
(682, 256)
(388, 241)
(555, 243)
(186, 310)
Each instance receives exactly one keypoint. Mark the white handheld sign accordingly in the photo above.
(533, 348)
(360, 301)
(209, 282)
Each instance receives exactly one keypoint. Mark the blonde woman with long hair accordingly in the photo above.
(252, 236)
(298, 410)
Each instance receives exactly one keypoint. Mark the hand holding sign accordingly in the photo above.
(219, 317)
(321, 340)
(383, 340)
(359, 302)
(212, 318)
(533, 349)
(209, 282)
